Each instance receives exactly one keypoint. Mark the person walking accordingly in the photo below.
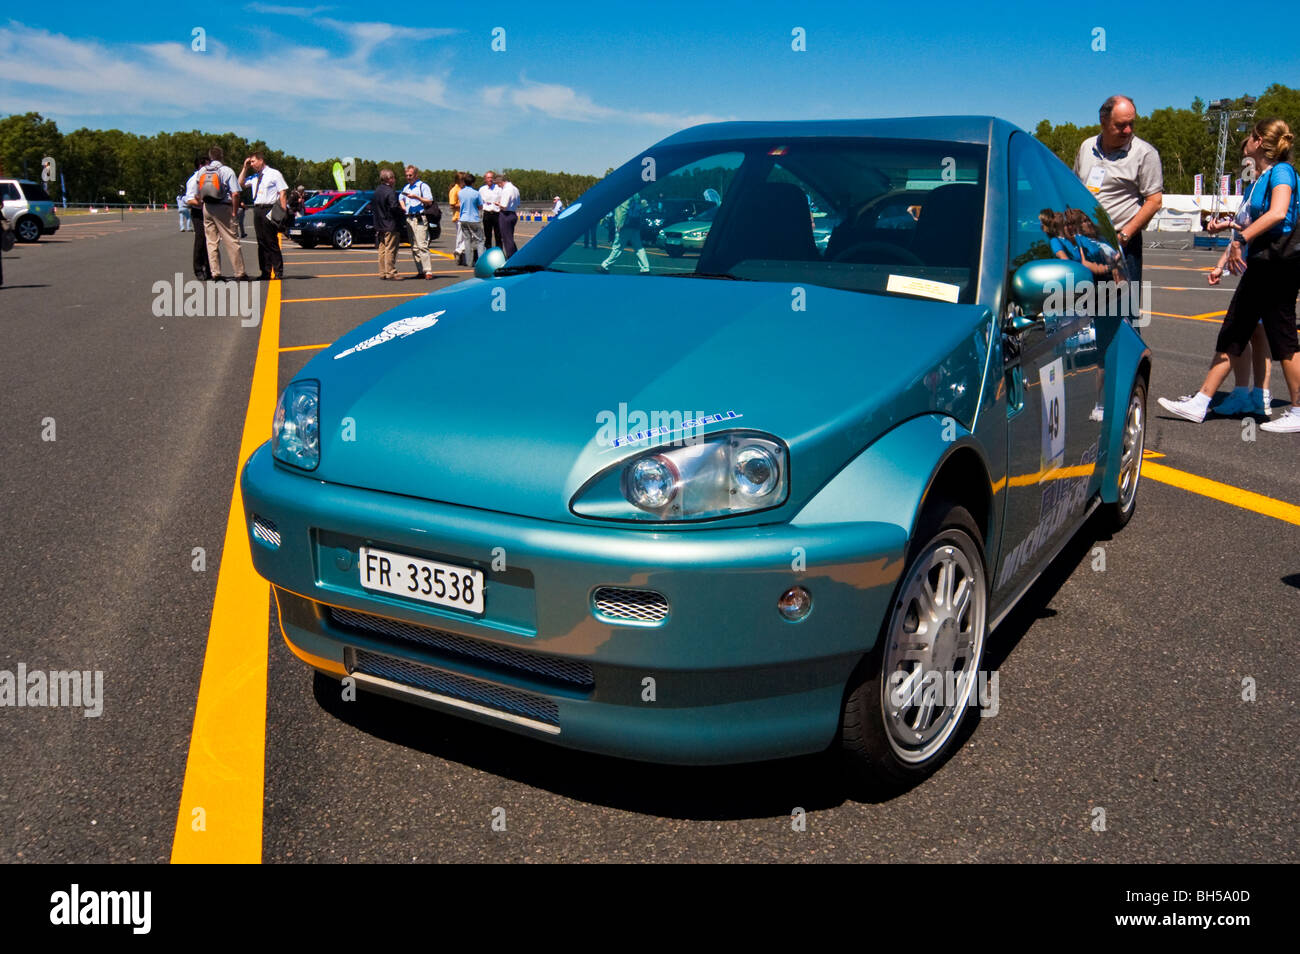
(218, 190)
(557, 207)
(490, 195)
(1125, 175)
(269, 192)
(627, 221)
(509, 214)
(418, 204)
(390, 223)
(453, 199)
(1268, 288)
(184, 211)
(471, 217)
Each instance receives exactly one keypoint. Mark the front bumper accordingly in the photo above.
(722, 678)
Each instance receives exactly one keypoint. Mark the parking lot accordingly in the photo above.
(1152, 675)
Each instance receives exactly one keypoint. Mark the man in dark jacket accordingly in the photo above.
(390, 223)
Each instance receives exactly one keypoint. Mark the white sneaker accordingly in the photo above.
(1288, 422)
(1192, 407)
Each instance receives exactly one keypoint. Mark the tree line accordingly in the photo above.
(97, 163)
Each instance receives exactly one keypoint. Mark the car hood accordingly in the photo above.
(505, 395)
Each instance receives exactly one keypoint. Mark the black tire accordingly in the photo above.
(674, 251)
(1115, 516)
(342, 237)
(28, 229)
(879, 759)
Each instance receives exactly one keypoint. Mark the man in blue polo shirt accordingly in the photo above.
(471, 216)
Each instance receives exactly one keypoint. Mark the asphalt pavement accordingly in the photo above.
(1121, 678)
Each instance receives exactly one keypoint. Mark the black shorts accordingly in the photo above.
(1267, 293)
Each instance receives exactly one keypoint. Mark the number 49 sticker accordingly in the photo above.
(1051, 378)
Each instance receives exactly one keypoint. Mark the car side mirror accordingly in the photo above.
(489, 262)
(1049, 286)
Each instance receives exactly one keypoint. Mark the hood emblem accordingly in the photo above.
(400, 328)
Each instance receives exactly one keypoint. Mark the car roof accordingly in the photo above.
(970, 129)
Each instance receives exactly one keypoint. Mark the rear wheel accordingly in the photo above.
(1118, 514)
(342, 238)
(28, 229)
(909, 697)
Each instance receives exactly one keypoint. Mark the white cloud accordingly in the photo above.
(563, 102)
(283, 11)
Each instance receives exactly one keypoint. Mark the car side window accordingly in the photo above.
(1037, 207)
(9, 192)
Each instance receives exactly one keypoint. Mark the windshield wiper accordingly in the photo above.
(523, 269)
(723, 275)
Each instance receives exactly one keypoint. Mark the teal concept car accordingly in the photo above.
(764, 501)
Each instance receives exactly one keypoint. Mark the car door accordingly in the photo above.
(1049, 434)
(365, 223)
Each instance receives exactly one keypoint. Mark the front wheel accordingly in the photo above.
(909, 697)
(1118, 514)
(342, 238)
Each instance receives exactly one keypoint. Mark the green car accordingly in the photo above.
(769, 505)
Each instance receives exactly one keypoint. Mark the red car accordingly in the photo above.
(323, 200)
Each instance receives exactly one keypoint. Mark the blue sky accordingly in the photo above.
(583, 86)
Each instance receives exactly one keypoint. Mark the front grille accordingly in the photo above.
(638, 606)
(266, 531)
(517, 661)
(501, 698)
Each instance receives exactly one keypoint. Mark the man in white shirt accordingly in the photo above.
(219, 193)
(195, 207)
(417, 202)
(509, 214)
(269, 190)
(490, 194)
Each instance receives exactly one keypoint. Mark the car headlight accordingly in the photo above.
(727, 473)
(295, 435)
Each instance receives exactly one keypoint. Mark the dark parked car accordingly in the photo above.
(347, 222)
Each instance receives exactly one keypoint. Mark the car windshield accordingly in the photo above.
(316, 201)
(349, 203)
(883, 216)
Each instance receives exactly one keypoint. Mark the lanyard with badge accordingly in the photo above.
(1097, 174)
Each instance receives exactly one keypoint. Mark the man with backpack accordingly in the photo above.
(218, 191)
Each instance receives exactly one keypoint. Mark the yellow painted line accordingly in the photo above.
(1208, 314)
(410, 276)
(1226, 493)
(294, 301)
(224, 780)
(303, 348)
(1151, 455)
(1185, 317)
(1182, 268)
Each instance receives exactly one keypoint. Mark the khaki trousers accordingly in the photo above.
(419, 228)
(219, 230)
(388, 242)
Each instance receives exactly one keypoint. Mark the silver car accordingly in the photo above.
(28, 209)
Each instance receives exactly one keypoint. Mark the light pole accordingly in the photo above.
(1223, 109)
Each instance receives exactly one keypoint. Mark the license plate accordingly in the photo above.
(441, 584)
(673, 239)
(295, 231)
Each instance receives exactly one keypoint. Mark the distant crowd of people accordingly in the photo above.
(216, 198)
